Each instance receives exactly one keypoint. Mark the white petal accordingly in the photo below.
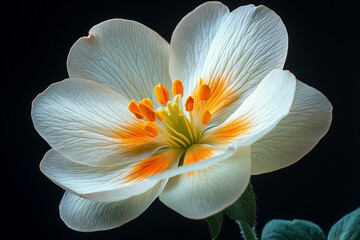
(250, 43)
(123, 55)
(200, 194)
(259, 113)
(84, 121)
(191, 40)
(87, 215)
(96, 183)
(295, 135)
(219, 154)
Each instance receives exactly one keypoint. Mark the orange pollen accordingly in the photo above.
(206, 117)
(204, 92)
(150, 129)
(189, 104)
(177, 88)
(135, 109)
(159, 116)
(161, 94)
(147, 112)
(148, 102)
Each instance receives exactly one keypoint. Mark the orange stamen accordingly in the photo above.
(206, 117)
(177, 88)
(134, 108)
(151, 129)
(204, 92)
(189, 104)
(161, 94)
(147, 112)
(148, 102)
(159, 116)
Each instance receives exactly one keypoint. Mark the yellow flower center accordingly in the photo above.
(177, 125)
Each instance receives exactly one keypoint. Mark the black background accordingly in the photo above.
(323, 52)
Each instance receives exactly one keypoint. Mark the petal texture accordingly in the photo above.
(90, 123)
(123, 55)
(249, 43)
(105, 184)
(295, 135)
(203, 160)
(259, 113)
(87, 215)
(200, 194)
(191, 40)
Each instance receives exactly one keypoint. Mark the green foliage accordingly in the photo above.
(347, 228)
(292, 230)
(246, 231)
(244, 209)
(215, 222)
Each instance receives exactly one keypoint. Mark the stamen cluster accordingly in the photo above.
(170, 123)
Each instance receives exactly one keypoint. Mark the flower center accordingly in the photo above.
(175, 124)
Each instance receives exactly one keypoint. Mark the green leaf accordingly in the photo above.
(215, 222)
(292, 230)
(244, 209)
(347, 228)
(247, 232)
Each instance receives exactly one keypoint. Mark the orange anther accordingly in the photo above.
(150, 129)
(138, 115)
(204, 92)
(135, 109)
(148, 102)
(189, 104)
(206, 117)
(177, 88)
(161, 94)
(147, 112)
(159, 116)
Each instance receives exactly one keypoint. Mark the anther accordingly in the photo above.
(204, 92)
(150, 129)
(159, 116)
(148, 102)
(135, 109)
(161, 94)
(189, 104)
(206, 117)
(147, 112)
(177, 88)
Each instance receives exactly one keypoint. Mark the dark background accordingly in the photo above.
(323, 52)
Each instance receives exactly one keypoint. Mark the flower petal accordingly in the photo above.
(105, 184)
(90, 123)
(87, 215)
(250, 43)
(200, 194)
(204, 155)
(123, 55)
(191, 40)
(295, 135)
(259, 113)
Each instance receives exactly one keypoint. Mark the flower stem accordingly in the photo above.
(247, 232)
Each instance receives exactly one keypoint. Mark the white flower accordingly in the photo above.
(119, 140)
